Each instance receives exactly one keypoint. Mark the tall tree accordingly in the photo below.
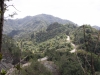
(1, 20)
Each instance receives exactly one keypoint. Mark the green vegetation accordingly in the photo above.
(66, 62)
(30, 24)
(10, 50)
(89, 41)
(51, 41)
(35, 68)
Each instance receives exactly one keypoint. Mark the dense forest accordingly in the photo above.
(47, 45)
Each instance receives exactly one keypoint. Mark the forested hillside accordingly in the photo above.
(11, 53)
(46, 45)
(30, 23)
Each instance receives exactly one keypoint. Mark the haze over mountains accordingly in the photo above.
(96, 27)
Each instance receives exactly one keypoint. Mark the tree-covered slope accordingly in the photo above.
(52, 30)
(30, 24)
(57, 48)
(52, 42)
(87, 36)
(10, 50)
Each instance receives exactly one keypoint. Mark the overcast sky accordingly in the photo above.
(79, 11)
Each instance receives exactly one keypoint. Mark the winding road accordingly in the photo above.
(48, 64)
(68, 40)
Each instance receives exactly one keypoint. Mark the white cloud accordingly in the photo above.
(78, 11)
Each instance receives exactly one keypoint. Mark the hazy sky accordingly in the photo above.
(78, 11)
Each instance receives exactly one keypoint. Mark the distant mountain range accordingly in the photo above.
(96, 27)
(30, 24)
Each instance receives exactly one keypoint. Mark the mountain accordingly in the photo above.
(96, 27)
(30, 24)
(53, 44)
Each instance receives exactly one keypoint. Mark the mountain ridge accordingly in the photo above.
(31, 23)
(96, 27)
